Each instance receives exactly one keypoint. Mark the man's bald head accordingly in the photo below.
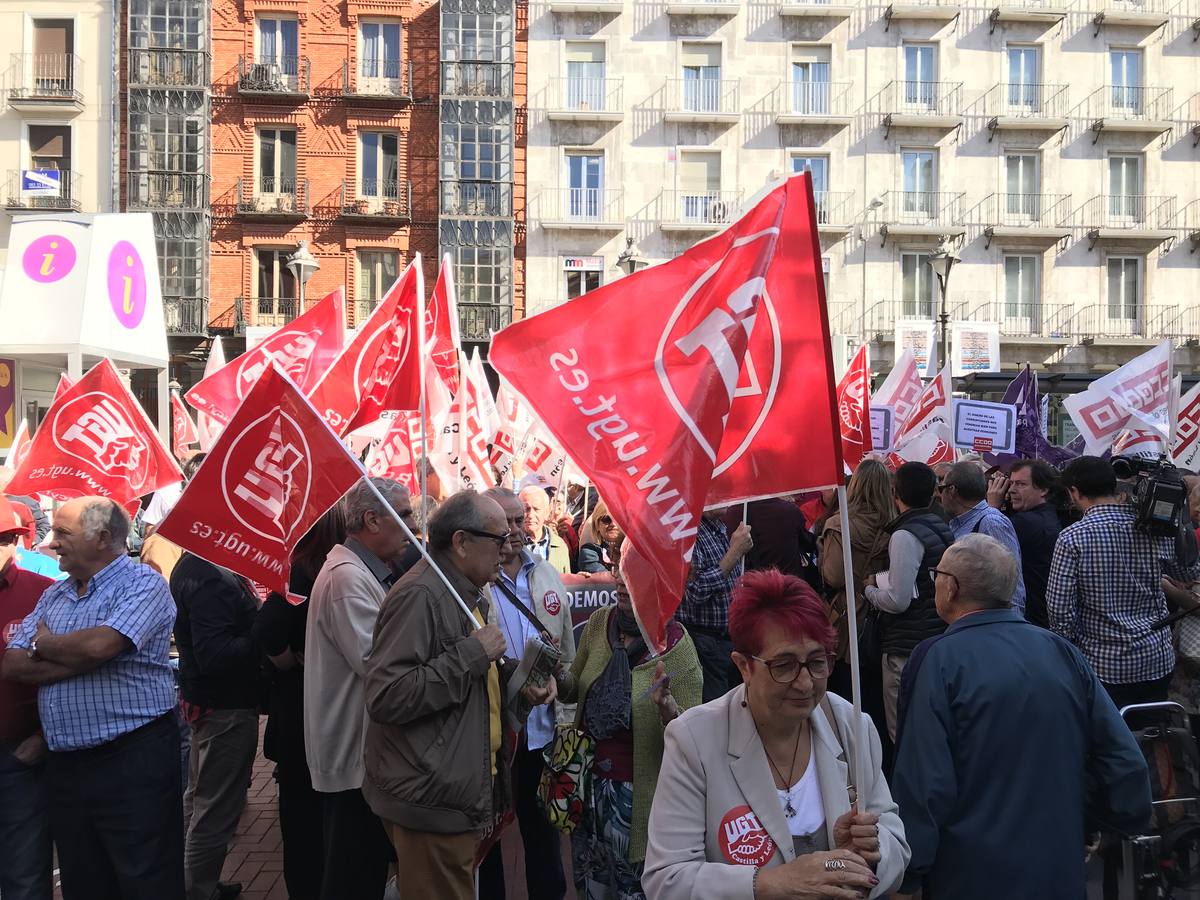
(88, 534)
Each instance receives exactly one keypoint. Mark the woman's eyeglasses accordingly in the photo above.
(605, 521)
(784, 669)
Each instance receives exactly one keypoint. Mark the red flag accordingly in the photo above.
(380, 370)
(931, 412)
(183, 429)
(64, 384)
(395, 456)
(205, 426)
(640, 404)
(854, 409)
(441, 327)
(275, 470)
(19, 449)
(304, 349)
(460, 455)
(96, 441)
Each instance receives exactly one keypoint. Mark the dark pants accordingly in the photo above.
(1139, 692)
(301, 812)
(544, 877)
(357, 849)
(720, 674)
(115, 816)
(25, 846)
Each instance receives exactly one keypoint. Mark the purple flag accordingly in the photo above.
(1022, 392)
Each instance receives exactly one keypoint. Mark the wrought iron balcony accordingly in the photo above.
(691, 211)
(46, 82)
(923, 10)
(921, 104)
(377, 201)
(186, 315)
(1047, 11)
(703, 100)
(1128, 217)
(488, 199)
(1118, 107)
(273, 198)
(1177, 323)
(273, 311)
(586, 100)
(377, 81)
(813, 103)
(1135, 13)
(580, 209)
(477, 321)
(166, 190)
(1114, 321)
(834, 210)
(153, 67)
(1023, 217)
(928, 214)
(1040, 320)
(1041, 107)
(477, 79)
(281, 77)
(38, 189)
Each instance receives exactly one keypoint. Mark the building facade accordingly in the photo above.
(1054, 145)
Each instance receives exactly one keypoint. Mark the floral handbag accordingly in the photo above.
(565, 785)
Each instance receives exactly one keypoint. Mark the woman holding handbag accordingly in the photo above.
(626, 698)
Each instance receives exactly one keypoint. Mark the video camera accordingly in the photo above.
(1159, 494)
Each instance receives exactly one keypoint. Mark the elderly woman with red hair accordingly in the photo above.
(752, 797)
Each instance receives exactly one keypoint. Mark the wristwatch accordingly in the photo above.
(32, 651)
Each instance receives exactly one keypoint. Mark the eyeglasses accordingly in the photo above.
(785, 669)
(934, 573)
(499, 539)
(605, 520)
(10, 538)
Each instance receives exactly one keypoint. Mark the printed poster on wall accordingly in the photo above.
(917, 335)
(975, 347)
(8, 402)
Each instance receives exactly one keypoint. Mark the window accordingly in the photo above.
(585, 75)
(582, 274)
(1024, 73)
(700, 187)
(585, 185)
(380, 166)
(52, 64)
(1125, 67)
(379, 62)
(482, 274)
(182, 263)
(920, 75)
(920, 183)
(810, 80)
(701, 77)
(476, 152)
(1124, 288)
(275, 288)
(168, 24)
(50, 147)
(471, 37)
(1125, 200)
(276, 161)
(1021, 185)
(818, 167)
(166, 143)
(917, 285)
(1021, 288)
(377, 271)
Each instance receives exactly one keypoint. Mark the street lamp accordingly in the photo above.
(630, 261)
(302, 265)
(942, 261)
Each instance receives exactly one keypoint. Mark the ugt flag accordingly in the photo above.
(304, 349)
(441, 327)
(206, 427)
(96, 441)
(183, 430)
(275, 470)
(641, 403)
(854, 409)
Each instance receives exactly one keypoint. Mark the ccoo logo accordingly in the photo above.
(746, 306)
(95, 429)
(266, 476)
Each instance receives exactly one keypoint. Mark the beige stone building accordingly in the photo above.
(1054, 144)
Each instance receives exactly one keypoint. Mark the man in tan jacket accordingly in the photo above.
(437, 771)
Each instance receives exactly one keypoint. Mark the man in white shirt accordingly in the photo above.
(533, 583)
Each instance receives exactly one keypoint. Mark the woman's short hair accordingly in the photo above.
(770, 599)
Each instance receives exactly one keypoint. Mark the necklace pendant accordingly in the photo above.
(788, 809)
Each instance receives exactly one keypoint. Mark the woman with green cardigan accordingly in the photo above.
(626, 698)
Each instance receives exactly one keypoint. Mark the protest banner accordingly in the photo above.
(1142, 385)
(985, 427)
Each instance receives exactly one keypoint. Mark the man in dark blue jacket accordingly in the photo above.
(1010, 750)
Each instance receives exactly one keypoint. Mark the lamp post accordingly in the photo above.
(630, 260)
(302, 265)
(860, 232)
(942, 261)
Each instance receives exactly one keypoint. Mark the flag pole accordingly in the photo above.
(860, 737)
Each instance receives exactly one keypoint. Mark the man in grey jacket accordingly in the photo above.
(342, 610)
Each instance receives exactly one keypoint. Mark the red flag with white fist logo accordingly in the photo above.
(854, 409)
(275, 470)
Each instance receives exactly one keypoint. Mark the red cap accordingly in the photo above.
(11, 518)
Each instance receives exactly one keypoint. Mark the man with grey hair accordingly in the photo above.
(97, 646)
(342, 610)
(963, 493)
(995, 687)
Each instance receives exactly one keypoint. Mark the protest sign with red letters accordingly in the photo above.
(303, 349)
(183, 430)
(275, 470)
(854, 409)
(96, 441)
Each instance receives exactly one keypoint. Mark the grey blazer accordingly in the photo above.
(716, 814)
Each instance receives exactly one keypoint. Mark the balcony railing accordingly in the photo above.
(931, 208)
(814, 98)
(38, 189)
(923, 98)
(1038, 318)
(1133, 212)
(582, 206)
(1027, 101)
(283, 76)
(1179, 323)
(700, 208)
(273, 197)
(167, 68)
(704, 96)
(186, 315)
(45, 78)
(1119, 101)
(377, 199)
(477, 79)
(377, 79)
(167, 190)
(274, 311)
(477, 321)
(1029, 210)
(476, 198)
(833, 207)
(586, 95)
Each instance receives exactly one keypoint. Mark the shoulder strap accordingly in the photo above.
(524, 610)
(851, 790)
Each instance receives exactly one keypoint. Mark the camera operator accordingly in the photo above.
(1105, 589)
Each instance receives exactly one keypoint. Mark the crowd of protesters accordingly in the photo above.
(1004, 615)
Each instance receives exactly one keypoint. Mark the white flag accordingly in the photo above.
(1141, 386)
(208, 428)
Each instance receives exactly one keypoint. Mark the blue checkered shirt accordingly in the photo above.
(128, 691)
(1105, 591)
(709, 590)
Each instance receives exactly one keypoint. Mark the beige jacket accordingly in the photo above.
(716, 814)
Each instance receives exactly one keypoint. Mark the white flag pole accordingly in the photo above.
(860, 737)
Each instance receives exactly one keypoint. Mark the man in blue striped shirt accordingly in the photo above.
(96, 645)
